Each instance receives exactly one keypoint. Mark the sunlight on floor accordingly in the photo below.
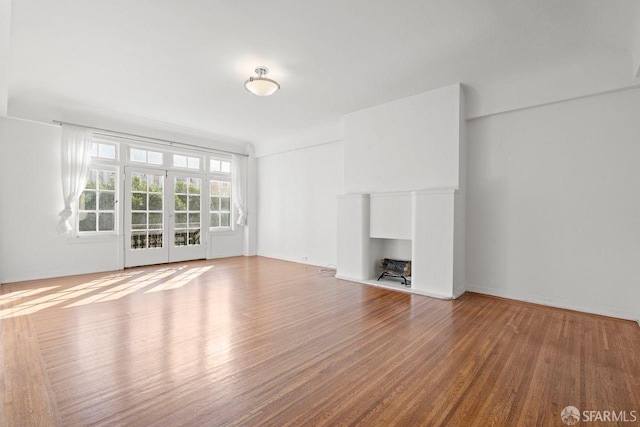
(179, 281)
(102, 290)
(5, 299)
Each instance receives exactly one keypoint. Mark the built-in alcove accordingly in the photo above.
(393, 248)
(396, 249)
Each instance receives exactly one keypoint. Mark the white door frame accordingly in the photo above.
(156, 254)
(189, 251)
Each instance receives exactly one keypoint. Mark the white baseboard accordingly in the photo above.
(458, 293)
(225, 255)
(38, 275)
(397, 288)
(552, 302)
(298, 260)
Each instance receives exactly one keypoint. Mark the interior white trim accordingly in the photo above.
(400, 288)
(635, 85)
(226, 255)
(553, 302)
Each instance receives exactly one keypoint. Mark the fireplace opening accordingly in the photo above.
(395, 268)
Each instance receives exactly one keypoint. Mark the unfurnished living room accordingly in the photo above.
(376, 213)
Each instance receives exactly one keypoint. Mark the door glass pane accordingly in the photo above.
(156, 183)
(194, 237)
(194, 203)
(138, 181)
(138, 220)
(181, 220)
(138, 201)
(194, 220)
(180, 238)
(155, 221)
(138, 240)
(181, 202)
(155, 202)
(147, 202)
(194, 186)
(155, 239)
(187, 211)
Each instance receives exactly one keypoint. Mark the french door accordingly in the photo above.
(164, 216)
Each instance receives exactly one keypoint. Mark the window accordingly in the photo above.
(101, 150)
(219, 166)
(138, 155)
(96, 206)
(220, 204)
(188, 162)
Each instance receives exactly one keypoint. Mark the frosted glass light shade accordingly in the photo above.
(261, 86)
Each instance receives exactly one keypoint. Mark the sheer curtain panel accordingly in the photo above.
(239, 187)
(75, 160)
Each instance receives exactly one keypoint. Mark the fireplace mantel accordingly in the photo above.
(432, 219)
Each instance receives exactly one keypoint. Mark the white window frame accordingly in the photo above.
(123, 152)
(97, 142)
(99, 166)
(163, 153)
(202, 159)
(225, 177)
(212, 177)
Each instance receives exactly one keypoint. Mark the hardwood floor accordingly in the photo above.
(256, 341)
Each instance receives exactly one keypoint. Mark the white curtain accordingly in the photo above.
(75, 160)
(239, 187)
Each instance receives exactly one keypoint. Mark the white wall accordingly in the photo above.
(30, 200)
(408, 144)
(553, 206)
(5, 32)
(297, 203)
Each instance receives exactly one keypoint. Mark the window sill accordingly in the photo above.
(227, 231)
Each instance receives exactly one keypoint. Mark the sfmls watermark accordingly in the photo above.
(572, 415)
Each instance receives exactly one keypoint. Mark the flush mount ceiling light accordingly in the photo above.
(261, 85)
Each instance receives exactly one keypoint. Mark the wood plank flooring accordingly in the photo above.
(256, 341)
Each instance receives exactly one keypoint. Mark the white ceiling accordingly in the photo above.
(184, 62)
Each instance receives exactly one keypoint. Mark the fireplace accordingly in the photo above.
(428, 230)
(395, 268)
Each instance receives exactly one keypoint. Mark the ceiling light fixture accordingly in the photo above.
(261, 85)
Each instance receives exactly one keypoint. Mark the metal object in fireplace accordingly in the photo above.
(395, 268)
